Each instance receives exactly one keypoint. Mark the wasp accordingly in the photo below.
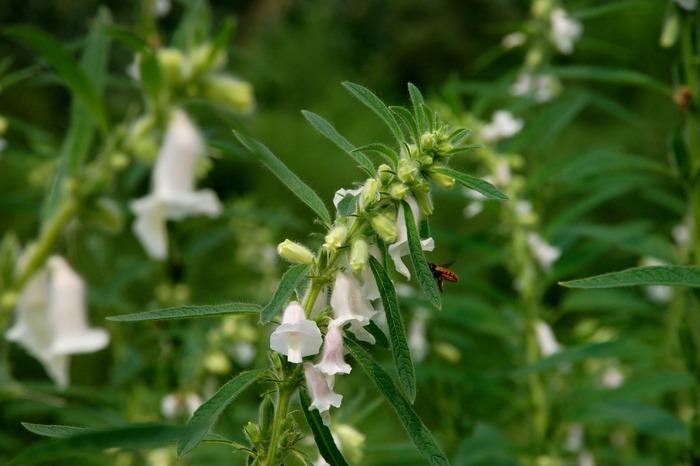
(442, 273)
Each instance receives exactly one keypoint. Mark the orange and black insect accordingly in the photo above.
(442, 273)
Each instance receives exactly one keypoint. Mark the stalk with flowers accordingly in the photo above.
(348, 294)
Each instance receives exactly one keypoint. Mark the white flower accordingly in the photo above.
(400, 248)
(565, 31)
(586, 458)
(321, 392)
(244, 352)
(657, 293)
(541, 88)
(51, 322)
(173, 196)
(612, 377)
(417, 341)
(350, 306)
(341, 193)
(162, 7)
(574, 438)
(544, 253)
(332, 361)
(689, 5)
(503, 125)
(546, 340)
(297, 336)
(514, 39)
(178, 404)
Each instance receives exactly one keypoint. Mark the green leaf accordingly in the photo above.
(397, 335)
(346, 206)
(326, 129)
(477, 184)
(381, 340)
(152, 78)
(671, 275)
(322, 434)
(290, 280)
(382, 149)
(207, 414)
(55, 431)
(189, 312)
(81, 130)
(409, 121)
(126, 36)
(458, 135)
(67, 69)
(292, 181)
(419, 434)
(129, 437)
(417, 101)
(375, 104)
(420, 265)
(611, 75)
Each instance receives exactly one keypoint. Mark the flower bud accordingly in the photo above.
(172, 63)
(385, 173)
(335, 238)
(398, 191)
(230, 91)
(295, 252)
(425, 202)
(443, 180)
(408, 171)
(425, 160)
(206, 58)
(358, 256)
(252, 432)
(385, 227)
(427, 141)
(410, 152)
(370, 192)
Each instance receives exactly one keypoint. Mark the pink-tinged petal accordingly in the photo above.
(297, 336)
(321, 393)
(333, 361)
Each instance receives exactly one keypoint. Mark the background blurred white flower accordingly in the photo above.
(565, 30)
(173, 196)
(503, 125)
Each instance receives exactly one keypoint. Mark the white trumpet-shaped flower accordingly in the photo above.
(321, 392)
(350, 306)
(173, 196)
(546, 340)
(503, 125)
(400, 248)
(51, 322)
(332, 361)
(544, 253)
(297, 336)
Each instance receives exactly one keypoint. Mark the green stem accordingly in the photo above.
(46, 241)
(284, 394)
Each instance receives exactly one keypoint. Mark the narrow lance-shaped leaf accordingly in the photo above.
(419, 434)
(207, 414)
(55, 431)
(417, 101)
(375, 104)
(326, 129)
(671, 275)
(189, 312)
(67, 69)
(420, 264)
(292, 181)
(477, 184)
(322, 434)
(397, 335)
(409, 121)
(290, 280)
(389, 153)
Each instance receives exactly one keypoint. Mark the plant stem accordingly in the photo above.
(284, 394)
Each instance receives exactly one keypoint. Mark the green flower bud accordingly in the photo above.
(427, 141)
(425, 160)
(234, 93)
(370, 193)
(119, 161)
(172, 63)
(385, 173)
(3, 125)
(217, 363)
(205, 59)
(443, 180)
(398, 191)
(670, 30)
(252, 433)
(295, 252)
(408, 171)
(335, 238)
(384, 227)
(412, 152)
(266, 414)
(358, 256)
(425, 202)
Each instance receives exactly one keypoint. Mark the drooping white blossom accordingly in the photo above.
(657, 293)
(400, 247)
(350, 306)
(321, 392)
(541, 88)
(514, 39)
(173, 196)
(503, 125)
(544, 253)
(162, 8)
(546, 340)
(565, 30)
(297, 336)
(51, 321)
(612, 377)
(179, 404)
(690, 5)
(332, 361)
(417, 341)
